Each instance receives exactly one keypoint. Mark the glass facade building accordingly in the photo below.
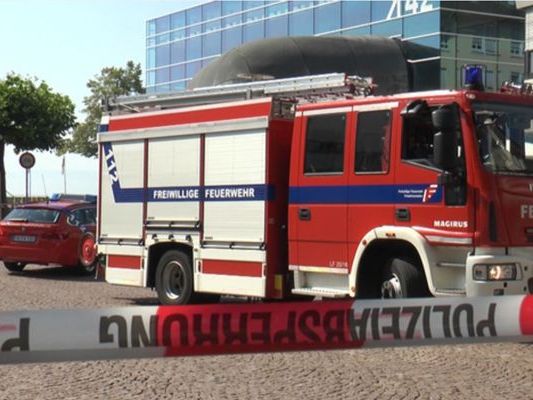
(489, 33)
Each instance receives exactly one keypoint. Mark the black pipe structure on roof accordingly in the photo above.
(385, 60)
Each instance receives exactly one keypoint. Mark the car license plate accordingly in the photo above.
(23, 238)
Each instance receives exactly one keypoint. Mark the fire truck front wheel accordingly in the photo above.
(174, 279)
(403, 278)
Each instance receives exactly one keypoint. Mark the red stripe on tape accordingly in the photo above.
(128, 262)
(240, 268)
(526, 316)
(219, 329)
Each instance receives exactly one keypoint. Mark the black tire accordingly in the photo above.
(174, 279)
(14, 266)
(87, 260)
(403, 278)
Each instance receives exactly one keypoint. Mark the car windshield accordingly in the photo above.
(39, 215)
(505, 137)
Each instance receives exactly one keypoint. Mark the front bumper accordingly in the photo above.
(522, 257)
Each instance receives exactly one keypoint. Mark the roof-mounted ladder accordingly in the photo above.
(305, 87)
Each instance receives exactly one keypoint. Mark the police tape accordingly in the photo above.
(166, 331)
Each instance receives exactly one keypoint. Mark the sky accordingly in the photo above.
(65, 43)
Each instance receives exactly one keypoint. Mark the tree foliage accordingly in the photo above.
(111, 83)
(32, 117)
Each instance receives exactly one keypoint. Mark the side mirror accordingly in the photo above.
(446, 121)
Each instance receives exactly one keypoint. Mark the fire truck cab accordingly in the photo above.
(312, 190)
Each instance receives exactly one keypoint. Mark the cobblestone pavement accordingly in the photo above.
(489, 371)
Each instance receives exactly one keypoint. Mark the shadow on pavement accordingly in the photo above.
(140, 301)
(54, 273)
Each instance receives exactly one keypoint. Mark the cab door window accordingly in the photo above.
(372, 147)
(324, 144)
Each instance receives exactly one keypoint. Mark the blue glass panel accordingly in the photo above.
(421, 24)
(231, 38)
(150, 78)
(246, 5)
(301, 23)
(162, 88)
(255, 15)
(177, 20)
(211, 26)
(150, 89)
(177, 52)
(162, 24)
(177, 72)
(298, 5)
(355, 13)
(387, 29)
(150, 58)
(194, 48)
(194, 30)
(364, 30)
(162, 75)
(328, 18)
(230, 21)
(162, 55)
(178, 86)
(430, 41)
(177, 35)
(192, 68)
(254, 31)
(150, 42)
(211, 43)
(231, 6)
(277, 9)
(150, 28)
(277, 27)
(165, 37)
(211, 10)
(193, 15)
(380, 9)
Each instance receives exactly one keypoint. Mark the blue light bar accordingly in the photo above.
(473, 77)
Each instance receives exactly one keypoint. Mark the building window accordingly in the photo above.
(477, 44)
(372, 148)
(324, 144)
(490, 46)
(516, 48)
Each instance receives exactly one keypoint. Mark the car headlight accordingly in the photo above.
(495, 272)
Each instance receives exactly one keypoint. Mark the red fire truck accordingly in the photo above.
(312, 186)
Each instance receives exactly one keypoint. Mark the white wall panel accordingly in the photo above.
(174, 162)
(123, 220)
(235, 159)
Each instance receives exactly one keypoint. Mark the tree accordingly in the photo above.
(111, 83)
(32, 117)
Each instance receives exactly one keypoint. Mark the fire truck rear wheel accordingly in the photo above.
(174, 279)
(14, 266)
(403, 278)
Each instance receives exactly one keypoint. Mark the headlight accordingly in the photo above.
(495, 272)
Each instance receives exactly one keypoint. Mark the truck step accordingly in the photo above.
(450, 292)
(322, 292)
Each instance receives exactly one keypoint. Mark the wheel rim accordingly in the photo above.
(391, 288)
(88, 252)
(173, 280)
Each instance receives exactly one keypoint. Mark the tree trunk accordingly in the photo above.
(3, 198)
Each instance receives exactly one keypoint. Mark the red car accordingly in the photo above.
(60, 231)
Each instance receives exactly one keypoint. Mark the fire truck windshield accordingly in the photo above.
(505, 137)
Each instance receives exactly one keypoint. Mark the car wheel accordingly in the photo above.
(174, 279)
(87, 255)
(14, 266)
(403, 278)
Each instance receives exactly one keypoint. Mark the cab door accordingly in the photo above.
(318, 195)
(371, 179)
